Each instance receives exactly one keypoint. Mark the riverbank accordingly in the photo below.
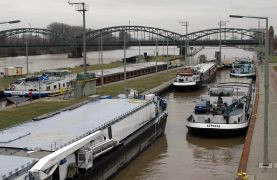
(254, 141)
(15, 115)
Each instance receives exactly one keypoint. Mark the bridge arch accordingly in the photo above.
(45, 32)
(92, 35)
(193, 36)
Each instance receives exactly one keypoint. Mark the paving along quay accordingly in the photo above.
(137, 101)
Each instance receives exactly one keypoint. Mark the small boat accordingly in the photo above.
(226, 110)
(195, 76)
(49, 83)
(243, 67)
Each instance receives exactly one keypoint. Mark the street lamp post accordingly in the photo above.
(139, 48)
(167, 53)
(157, 54)
(181, 46)
(266, 87)
(124, 52)
(82, 7)
(221, 23)
(99, 49)
(27, 50)
(100, 57)
(185, 23)
(27, 58)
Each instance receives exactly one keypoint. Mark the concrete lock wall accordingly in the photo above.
(84, 88)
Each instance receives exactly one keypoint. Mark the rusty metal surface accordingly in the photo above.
(248, 139)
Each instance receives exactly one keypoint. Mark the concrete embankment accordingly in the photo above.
(160, 89)
(253, 148)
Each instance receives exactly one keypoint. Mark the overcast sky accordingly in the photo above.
(201, 14)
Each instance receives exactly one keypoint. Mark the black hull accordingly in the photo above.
(106, 166)
(219, 133)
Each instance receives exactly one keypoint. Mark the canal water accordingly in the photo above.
(177, 154)
(180, 155)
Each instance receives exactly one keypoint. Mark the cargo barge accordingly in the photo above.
(49, 83)
(225, 111)
(132, 70)
(195, 76)
(92, 141)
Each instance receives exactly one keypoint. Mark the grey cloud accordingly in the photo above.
(161, 13)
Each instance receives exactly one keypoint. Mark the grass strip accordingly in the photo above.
(142, 84)
(24, 113)
(273, 59)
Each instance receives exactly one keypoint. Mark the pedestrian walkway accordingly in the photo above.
(256, 148)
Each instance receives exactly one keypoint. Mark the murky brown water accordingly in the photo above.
(179, 155)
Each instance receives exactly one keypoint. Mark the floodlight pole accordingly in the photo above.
(220, 23)
(157, 54)
(27, 57)
(266, 86)
(83, 9)
(167, 53)
(102, 65)
(185, 23)
(124, 59)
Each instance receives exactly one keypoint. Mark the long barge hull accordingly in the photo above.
(112, 162)
(110, 78)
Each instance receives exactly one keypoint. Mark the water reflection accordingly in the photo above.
(147, 166)
(219, 157)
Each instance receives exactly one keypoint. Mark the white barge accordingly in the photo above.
(195, 76)
(226, 110)
(51, 82)
(92, 141)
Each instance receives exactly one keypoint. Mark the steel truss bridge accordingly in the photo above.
(136, 36)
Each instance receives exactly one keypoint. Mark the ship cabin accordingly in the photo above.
(188, 74)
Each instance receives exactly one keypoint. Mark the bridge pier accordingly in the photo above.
(76, 52)
(271, 40)
(182, 50)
